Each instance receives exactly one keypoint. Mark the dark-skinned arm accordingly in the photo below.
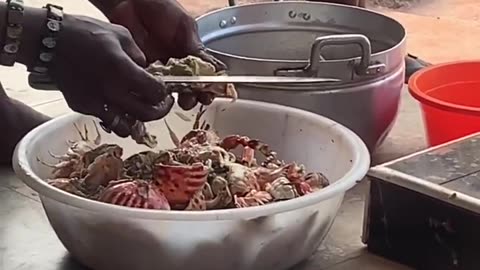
(105, 6)
(97, 67)
(34, 20)
(15, 116)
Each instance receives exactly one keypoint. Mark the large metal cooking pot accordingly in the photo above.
(364, 49)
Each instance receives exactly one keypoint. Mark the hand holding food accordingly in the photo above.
(163, 29)
(99, 70)
(188, 66)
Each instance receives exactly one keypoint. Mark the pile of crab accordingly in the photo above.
(200, 173)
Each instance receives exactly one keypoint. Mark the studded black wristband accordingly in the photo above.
(13, 32)
(39, 77)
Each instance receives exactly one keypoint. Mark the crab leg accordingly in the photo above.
(45, 163)
(70, 142)
(183, 116)
(78, 131)
(98, 139)
(72, 153)
(172, 134)
(59, 157)
(204, 124)
(85, 129)
(199, 115)
(248, 156)
(56, 166)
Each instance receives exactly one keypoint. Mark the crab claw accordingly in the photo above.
(303, 188)
(136, 193)
(179, 183)
(232, 141)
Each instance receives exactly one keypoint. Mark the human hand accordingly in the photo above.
(100, 71)
(163, 29)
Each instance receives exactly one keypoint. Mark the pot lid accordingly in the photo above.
(304, 39)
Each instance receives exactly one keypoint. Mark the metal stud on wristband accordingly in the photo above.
(13, 32)
(39, 77)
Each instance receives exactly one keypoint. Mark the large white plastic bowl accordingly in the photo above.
(276, 236)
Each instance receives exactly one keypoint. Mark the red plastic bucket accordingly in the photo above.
(449, 95)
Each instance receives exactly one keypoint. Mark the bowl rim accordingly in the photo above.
(426, 99)
(360, 166)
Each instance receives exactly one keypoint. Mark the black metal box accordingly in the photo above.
(423, 210)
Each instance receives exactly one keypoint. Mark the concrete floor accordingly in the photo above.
(446, 31)
(460, 9)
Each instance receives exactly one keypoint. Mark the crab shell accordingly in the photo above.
(241, 179)
(216, 196)
(180, 183)
(90, 156)
(140, 166)
(317, 180)
(136, 194)
(281, 189)
(105, 168)
(197, 203)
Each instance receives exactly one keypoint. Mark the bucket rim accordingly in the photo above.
(426, 99)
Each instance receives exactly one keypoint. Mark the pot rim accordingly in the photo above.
(360, 165)
(306, 61)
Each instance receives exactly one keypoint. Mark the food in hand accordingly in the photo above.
(188, 66)
(192, 66)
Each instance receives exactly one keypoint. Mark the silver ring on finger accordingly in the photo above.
(113, 124)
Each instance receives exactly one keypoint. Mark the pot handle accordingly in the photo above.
(234, 2)
(363, 68)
